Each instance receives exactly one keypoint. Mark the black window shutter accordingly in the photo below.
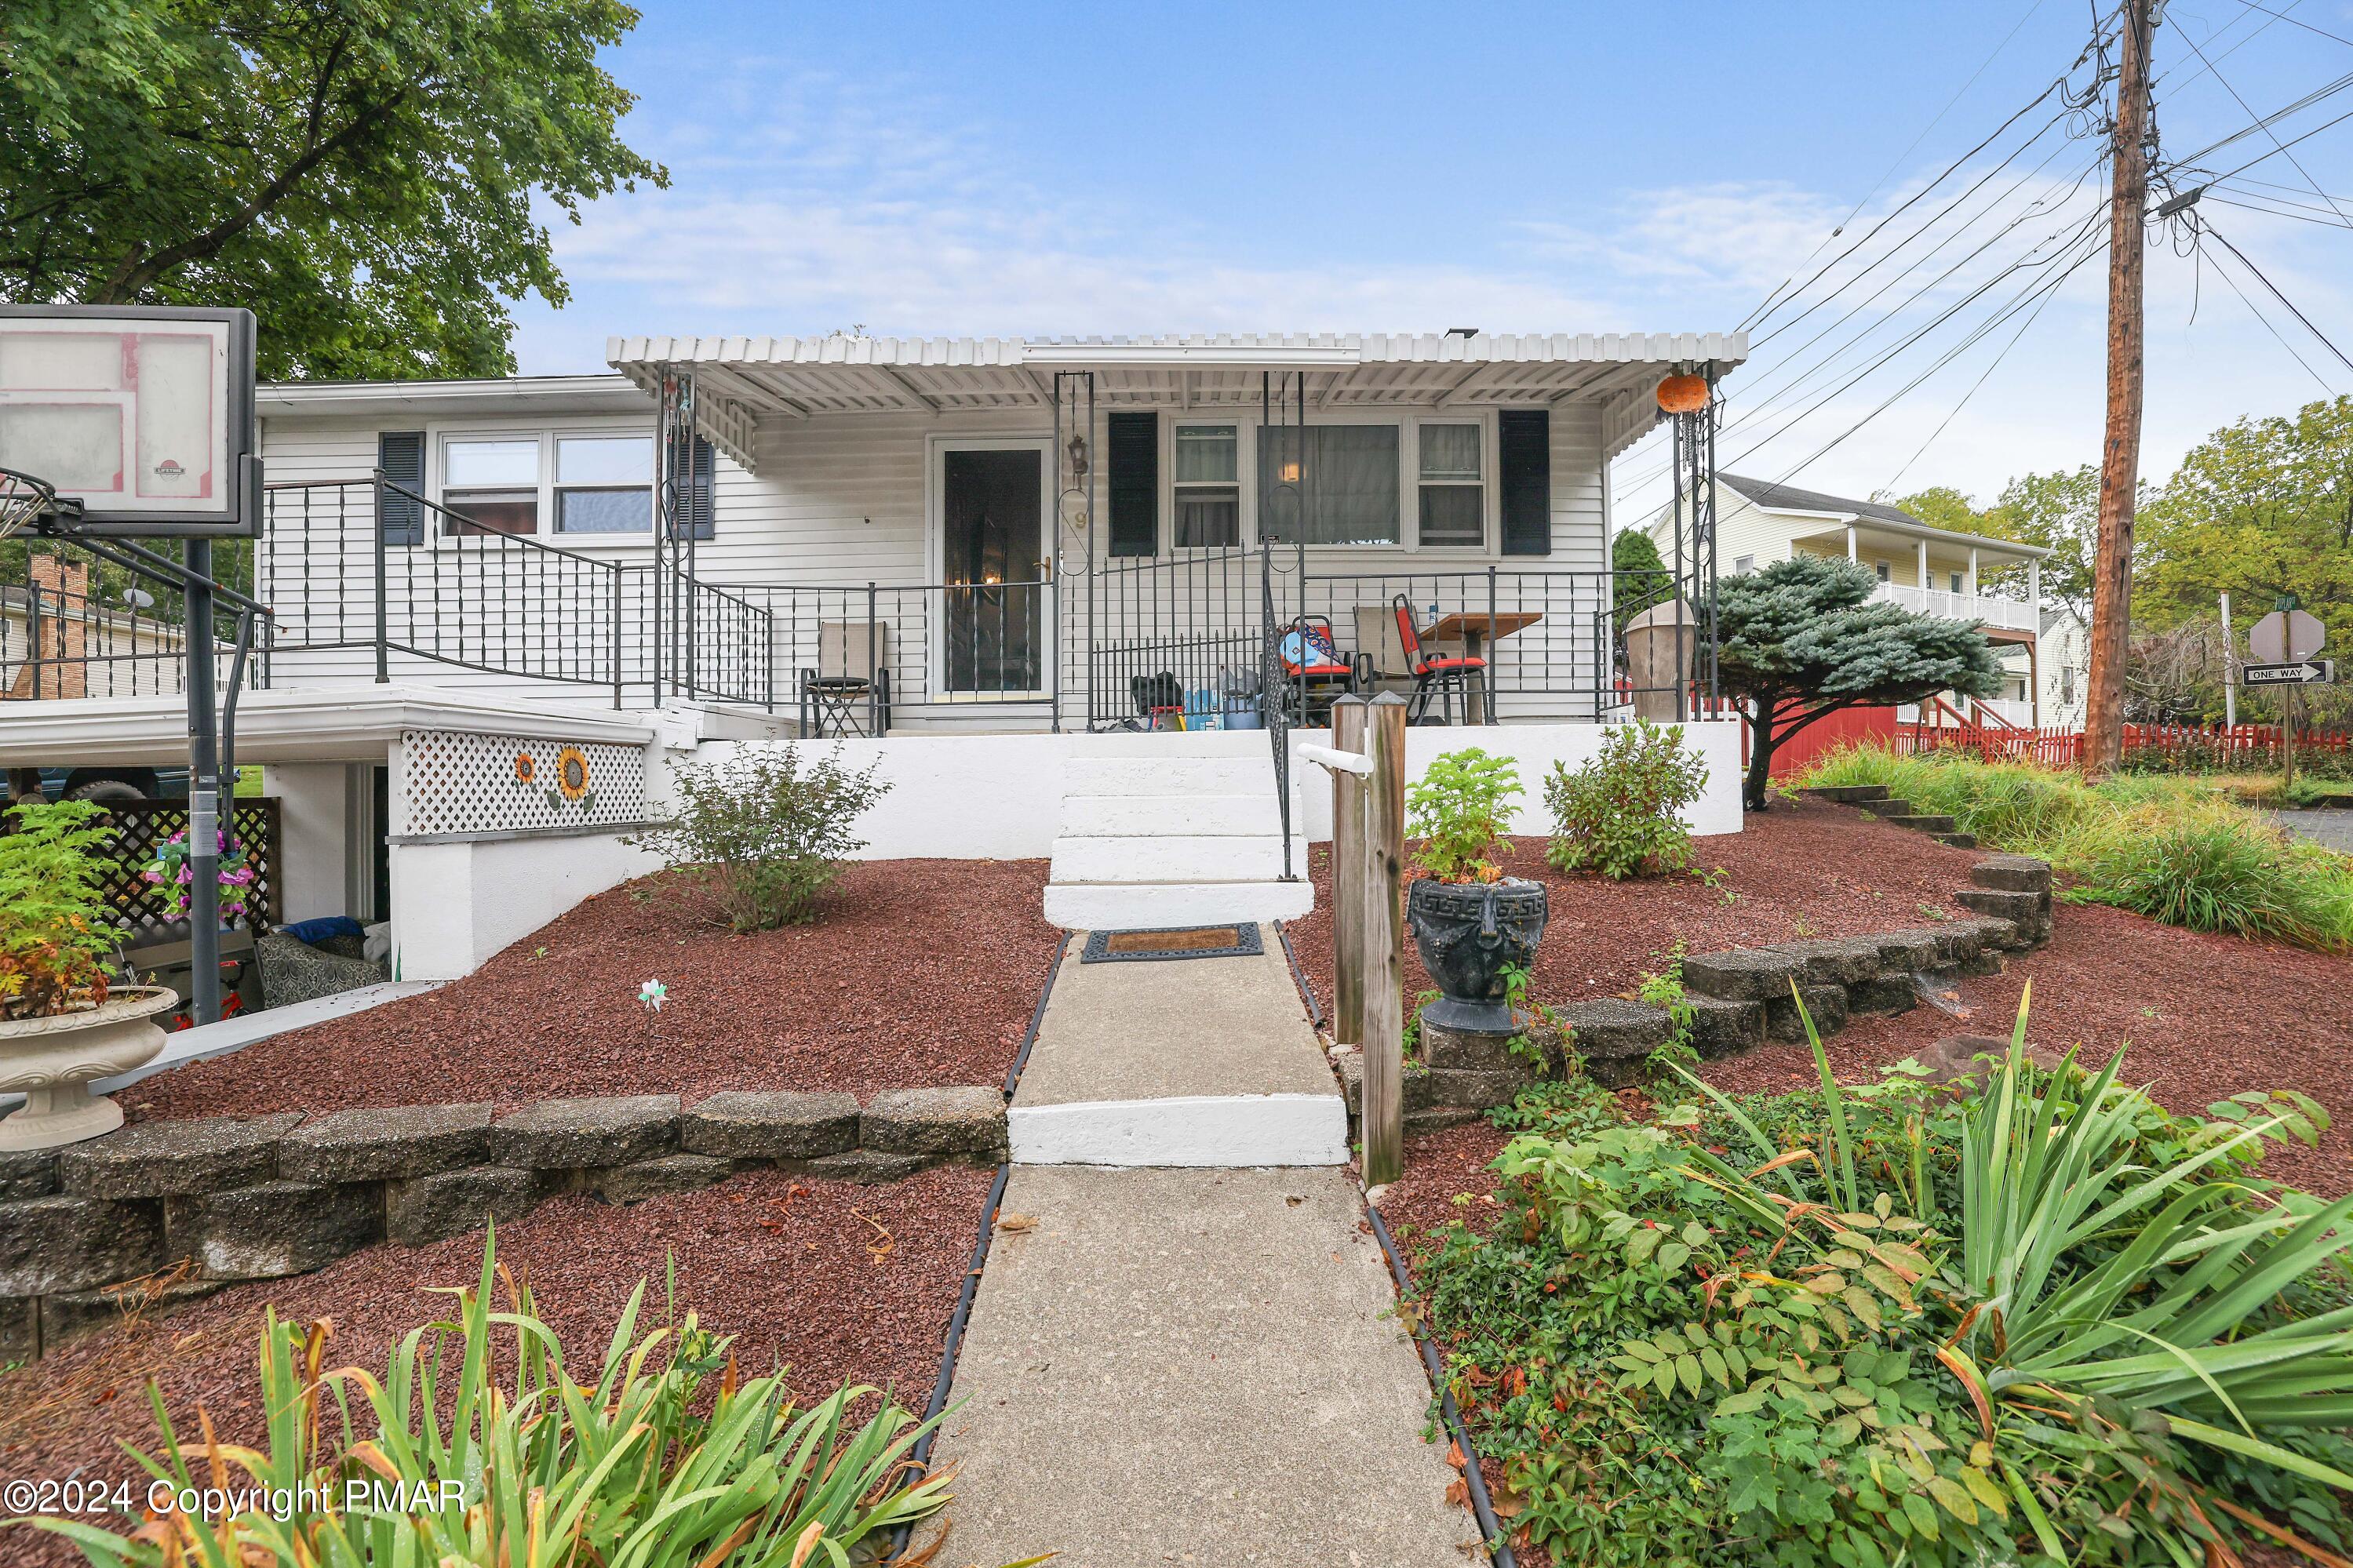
(1523, 439)
(1135, 484)
(401, 455)
(700, 518)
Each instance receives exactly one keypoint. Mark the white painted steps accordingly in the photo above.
(1172, 839)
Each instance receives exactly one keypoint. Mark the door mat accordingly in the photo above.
(1180, 941)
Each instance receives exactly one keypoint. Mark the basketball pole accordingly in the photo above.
(204, 790)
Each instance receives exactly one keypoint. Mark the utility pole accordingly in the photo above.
(2103, 710)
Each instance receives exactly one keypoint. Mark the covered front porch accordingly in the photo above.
(1112, 533)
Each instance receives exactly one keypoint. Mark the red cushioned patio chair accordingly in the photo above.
(1442, 677)
(1313, 668)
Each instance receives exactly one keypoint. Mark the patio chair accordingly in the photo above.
(1443, 678)
(1315, 675)
(848, 691)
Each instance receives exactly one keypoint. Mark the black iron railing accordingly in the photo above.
(74, 624)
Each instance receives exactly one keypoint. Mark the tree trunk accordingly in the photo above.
(1759, 790)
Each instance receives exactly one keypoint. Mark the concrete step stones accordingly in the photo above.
(385, 1143)
(1959, 840)
(1825, 1005)
(1848, 794)
(966, 1121)
(266, 1196)
(27, 1174)
(1614, 1037)
(1741, 973)
(425, 1209)
(168, 1159)
(574, 1134)
(1924, 822)
(764, 1124)
(634, 1183)
(2014, 873)
(1721, 1027)
(59, 1244)
(274, 1229)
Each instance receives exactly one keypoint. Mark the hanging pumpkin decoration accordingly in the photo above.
(1683, 394)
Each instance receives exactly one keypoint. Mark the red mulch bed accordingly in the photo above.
(2205, 1017)
(917, 972)
(785, 1264)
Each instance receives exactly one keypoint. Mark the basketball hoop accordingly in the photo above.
(25, 501)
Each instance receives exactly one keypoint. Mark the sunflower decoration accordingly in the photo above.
(572, 780)
(526, 768)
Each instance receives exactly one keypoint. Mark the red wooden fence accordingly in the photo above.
(2252, 747)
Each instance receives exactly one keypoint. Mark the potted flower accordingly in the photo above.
(174, 872)
(1470, 922)
(62, 1023)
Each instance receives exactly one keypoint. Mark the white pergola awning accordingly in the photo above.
(742, 382)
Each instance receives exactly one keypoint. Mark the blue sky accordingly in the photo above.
(1141, 168)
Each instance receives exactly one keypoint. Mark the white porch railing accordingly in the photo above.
(2009, 615)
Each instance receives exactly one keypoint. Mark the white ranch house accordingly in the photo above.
(1026, 575)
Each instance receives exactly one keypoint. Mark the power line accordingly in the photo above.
(1760, 317)
(2223, 273)
(2317, 95)
(1978, 385)
(2277, 145)
(2293, 22)
(2224, 240)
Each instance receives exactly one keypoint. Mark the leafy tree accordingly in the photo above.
(1804, 637)
(362, 176)
(1641, 581)
(1942, 506)
(2061, 511)
(2260, 510)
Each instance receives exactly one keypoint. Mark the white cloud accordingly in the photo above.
(805, 202)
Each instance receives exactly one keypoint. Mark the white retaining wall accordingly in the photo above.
(455, 904)
(1000, 797)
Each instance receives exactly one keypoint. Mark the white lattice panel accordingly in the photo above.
(458, 781)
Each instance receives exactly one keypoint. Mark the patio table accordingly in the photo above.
(1478, 630)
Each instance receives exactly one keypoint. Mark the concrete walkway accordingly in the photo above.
(1203, 1061)
(1188, 1365)
(2329, 825)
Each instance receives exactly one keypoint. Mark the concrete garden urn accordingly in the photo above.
(1468, 933)
(52, 1062)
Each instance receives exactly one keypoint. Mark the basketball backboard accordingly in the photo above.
(142, 414)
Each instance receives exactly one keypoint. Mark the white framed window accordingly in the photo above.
(1956, 582)
(1744, 565)
(1207, 482)
(1451, 478)
(1885, 569)
(492, 482)
(587, 484)
(1331, 484)
(604, 484)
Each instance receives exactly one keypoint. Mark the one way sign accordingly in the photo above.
(2305, 672)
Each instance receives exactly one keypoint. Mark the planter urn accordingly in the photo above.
(1468, 934)
(53, 1061)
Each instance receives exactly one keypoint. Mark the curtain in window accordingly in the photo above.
(1342, 489)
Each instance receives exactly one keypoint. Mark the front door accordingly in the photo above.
(992, 533)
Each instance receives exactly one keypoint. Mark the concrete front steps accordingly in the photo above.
(1154, 841)
(1193, 1062)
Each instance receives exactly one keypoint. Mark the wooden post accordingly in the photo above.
(1383, 937)
(2104, 708)
(1348, 870)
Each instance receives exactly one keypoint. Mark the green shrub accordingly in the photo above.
(767, 832)
(58, 935)
(1621, 813)
(664, 1456)
(1905, 1324)
(1459, 810)
(2162, 846)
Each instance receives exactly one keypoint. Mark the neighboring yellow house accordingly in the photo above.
(1933, 570)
